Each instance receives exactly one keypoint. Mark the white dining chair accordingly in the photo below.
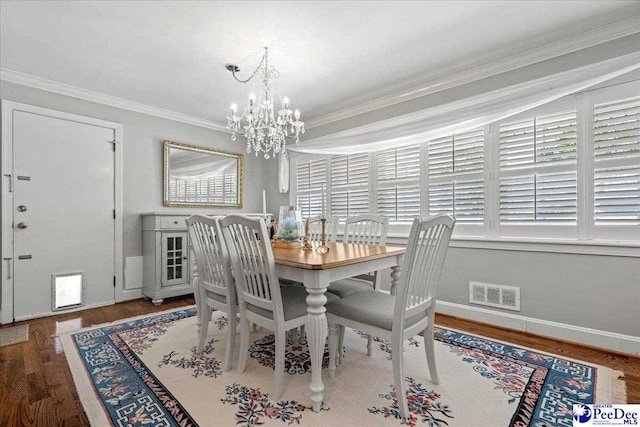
(215, 282)
(365, 230)
(261, 299)
(410, 311)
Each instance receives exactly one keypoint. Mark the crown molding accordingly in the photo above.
(101, 98)
(489, 65)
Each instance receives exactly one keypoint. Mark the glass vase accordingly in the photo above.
(290, 227)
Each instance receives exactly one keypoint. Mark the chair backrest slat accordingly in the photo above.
(251, 256)
(422, 265)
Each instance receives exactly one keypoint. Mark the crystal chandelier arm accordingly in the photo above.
(262, 61)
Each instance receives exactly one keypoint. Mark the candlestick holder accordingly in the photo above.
(306, 244)
(323, 248)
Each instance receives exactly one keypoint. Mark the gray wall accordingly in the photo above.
(143, 136)
(599, 292)
(591, 291)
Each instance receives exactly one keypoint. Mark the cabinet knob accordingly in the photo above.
(175, 222)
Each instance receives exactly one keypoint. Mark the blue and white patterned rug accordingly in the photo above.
(147, 372)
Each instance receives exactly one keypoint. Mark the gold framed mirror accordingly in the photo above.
(201, 177)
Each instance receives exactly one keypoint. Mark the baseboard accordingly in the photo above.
(56, 313)
(593, 337)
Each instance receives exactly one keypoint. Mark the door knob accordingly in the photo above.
(22, 208)
(22, 225)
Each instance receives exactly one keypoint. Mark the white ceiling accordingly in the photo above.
(331, 55)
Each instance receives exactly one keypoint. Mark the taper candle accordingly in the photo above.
(264, 202)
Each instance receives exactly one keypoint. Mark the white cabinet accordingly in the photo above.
(167, 259)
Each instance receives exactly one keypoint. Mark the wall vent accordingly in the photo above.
(507, 297)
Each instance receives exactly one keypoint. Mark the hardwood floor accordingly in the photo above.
(36, 387)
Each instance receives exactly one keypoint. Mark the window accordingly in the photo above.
(538, 169)
(569, 169)
(398, 183)
(456, 176)
(350, 185)
(616, 143)
(310, 175)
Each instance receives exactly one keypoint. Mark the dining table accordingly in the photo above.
(316, 270)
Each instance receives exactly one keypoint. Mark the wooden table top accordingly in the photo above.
(339, 254)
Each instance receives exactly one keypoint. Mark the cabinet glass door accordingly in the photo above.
(174, 259)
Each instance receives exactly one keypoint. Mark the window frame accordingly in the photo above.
(395, 183)
(348, 187)
(536, 229)
(311, 191)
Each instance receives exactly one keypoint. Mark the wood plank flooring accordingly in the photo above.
(36, 387)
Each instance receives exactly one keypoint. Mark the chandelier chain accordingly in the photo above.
(262, 61)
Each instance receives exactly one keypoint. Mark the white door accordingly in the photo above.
(63, 214)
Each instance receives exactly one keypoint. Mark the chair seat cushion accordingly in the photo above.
(294, 302)
(371, 308)
(346, 287)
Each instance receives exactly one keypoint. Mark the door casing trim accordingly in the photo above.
(6, 198)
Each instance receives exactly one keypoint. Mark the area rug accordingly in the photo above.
(14, 335)
(146, 372)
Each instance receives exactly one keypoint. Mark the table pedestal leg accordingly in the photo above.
(395, 278)
(316, 328)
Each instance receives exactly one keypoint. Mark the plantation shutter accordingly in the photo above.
(303, 176)
(617, 195)
(456, 176)
(350, 185)
(310, 175)
(398, 183)
(538, 169)
(617, 129)
(616, 140)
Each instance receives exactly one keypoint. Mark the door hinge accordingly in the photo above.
(10, 182)
(114, 214)
(113, 143)
(114, 281)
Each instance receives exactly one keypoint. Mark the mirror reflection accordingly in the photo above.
(198, 176)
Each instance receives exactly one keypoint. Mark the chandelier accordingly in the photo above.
(265, 130)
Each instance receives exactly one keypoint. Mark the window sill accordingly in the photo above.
(582, 247)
